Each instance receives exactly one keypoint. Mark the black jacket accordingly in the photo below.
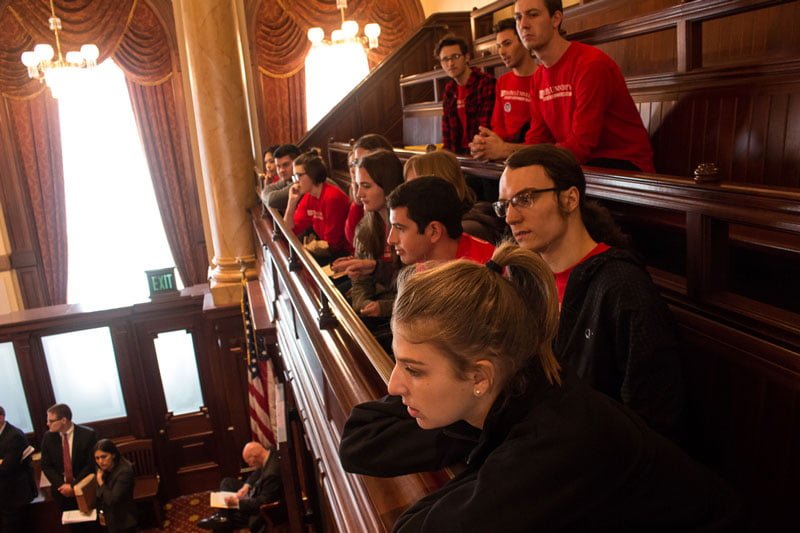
(616, 333)
(266, 487)
(555, 458)
(115, 497)
(16, 476)
(82, 455)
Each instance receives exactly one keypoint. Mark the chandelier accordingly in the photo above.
(50, 66)
(348, 33)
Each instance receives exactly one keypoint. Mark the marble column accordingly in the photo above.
(214, 69)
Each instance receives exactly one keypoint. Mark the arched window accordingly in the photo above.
(332, 71)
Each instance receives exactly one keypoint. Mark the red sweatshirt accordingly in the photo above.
(582, 103)
(512, 106)
(326, 215)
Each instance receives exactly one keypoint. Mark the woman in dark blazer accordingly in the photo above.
(115, 488)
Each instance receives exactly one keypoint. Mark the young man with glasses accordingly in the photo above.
(67, 454)
(468, 98)
(615, 332)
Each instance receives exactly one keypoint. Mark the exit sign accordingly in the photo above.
(161, 281)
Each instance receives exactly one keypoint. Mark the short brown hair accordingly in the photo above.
(450, 40)
(61, 410)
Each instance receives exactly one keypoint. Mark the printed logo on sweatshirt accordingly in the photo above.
(556, 91)
(507, 95)
(316, 215)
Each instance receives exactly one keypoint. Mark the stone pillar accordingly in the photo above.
(213, 67)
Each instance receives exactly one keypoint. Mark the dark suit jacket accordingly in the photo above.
(266, 487)
(115, 497)
(82, 455)
(16, 477)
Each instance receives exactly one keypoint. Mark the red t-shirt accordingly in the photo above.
(326, 215)
(473, 248)
(582, 103)
(461, 107)
(354, 216)
(512, 106)
(563, 277)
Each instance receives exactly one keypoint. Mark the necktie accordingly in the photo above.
(67, 459)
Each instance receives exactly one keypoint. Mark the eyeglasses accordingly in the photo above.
(523, 198)
(296, 175)
(447, 59)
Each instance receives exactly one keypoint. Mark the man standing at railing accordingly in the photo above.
(468, 99)
(16, 476)
(579, 99)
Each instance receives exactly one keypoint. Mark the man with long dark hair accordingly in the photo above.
(614, 329)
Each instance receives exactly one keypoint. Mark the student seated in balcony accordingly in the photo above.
(276, 195)
(365, 145)
(511, 118)
(579, 99)
(375, 265)
(317, 206)
(468, 98)
(425, 217)
(476, 381)
(479, 219)
(615, 331)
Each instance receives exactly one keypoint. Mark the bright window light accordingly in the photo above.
(331, 73)
(12, 395)
(114, 229)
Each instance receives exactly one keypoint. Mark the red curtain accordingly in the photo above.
(280, 46)
(145, 55)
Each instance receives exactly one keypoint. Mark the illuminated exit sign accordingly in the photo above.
(161, 281)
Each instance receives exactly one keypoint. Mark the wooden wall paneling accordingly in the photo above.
(130, 376)
(752, 36)
(649, 53)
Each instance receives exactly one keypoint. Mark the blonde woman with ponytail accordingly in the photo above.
(476, 382)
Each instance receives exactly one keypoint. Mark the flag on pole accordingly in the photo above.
(259, 374)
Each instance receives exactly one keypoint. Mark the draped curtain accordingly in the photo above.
(280, 47)
(130, 32)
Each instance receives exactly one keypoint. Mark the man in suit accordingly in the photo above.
(263, 486)
(17, 487)
(65, 465)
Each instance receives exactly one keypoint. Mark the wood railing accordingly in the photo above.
(329, 362)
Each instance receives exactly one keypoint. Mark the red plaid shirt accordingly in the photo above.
(479, 106)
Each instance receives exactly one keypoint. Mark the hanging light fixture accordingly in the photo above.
(55, 72)
(348, 33)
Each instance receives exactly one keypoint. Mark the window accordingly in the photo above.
(12, 396)
(332, 71)
(83, 371)
(114, 229)
(178, 368)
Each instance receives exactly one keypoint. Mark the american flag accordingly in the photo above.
(259, 378)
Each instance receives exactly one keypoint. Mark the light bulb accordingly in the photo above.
(29, 59)
(350, 28)
(44, 52)
(90, 53)
(372, 30)
(316, 35)
(337, 36)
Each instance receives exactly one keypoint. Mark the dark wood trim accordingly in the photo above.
(5, 263)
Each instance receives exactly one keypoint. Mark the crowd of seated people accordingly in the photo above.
(558, 345)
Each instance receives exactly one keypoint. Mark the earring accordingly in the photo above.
(477, 392)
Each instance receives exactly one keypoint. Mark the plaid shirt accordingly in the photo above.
(479, 106)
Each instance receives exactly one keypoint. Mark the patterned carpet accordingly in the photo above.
(181, 514)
